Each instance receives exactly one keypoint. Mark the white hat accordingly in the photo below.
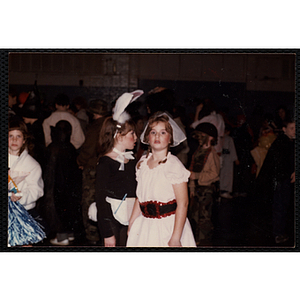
(178, 134)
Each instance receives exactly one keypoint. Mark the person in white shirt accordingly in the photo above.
(25, 225)
(22, 164)
(62, 104)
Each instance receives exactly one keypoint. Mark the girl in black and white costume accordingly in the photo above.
(115, 179)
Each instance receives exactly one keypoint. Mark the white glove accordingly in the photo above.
(92, 213)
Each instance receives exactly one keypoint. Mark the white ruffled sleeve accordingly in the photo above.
(175, 171)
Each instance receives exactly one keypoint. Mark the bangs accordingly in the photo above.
(153, 121)
(18, 125)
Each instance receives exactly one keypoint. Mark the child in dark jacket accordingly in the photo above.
(203, 185)
(61, 203)
(278, 171)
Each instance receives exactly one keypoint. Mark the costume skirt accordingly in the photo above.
(150, 232)
(22, 228)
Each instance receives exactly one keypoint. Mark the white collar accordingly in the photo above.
(121, 157)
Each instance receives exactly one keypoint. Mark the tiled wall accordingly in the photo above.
(260, 72)
(232, 80)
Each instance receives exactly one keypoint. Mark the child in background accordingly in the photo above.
(159, 214)
(19, 160)
(260, 151)
(60, 205)
(203, 185)
(229, 157)
(277, 178)
(87, 162)
(21, 164)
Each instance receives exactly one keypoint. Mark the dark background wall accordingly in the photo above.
(236, 82)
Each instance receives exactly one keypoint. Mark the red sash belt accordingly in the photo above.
(158, 210)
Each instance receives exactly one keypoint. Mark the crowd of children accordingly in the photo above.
(124, 190)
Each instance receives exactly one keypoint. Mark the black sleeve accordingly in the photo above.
(266, 175)
(104, 213)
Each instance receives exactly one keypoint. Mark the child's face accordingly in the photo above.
(159, 138)
(290, 130)
(15, 141)
(128, 140)
(202, 138)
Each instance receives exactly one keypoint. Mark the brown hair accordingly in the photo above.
(108, 130)
(16, 124)
(153, 120)
(285, 123)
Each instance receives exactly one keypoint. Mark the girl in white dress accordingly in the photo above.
(159, 217)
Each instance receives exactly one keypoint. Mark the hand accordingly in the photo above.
(14, 198)
(110, 241)
(174, 243)
(199, 108)
(293, 178)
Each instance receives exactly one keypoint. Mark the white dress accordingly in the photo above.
(156, 185)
